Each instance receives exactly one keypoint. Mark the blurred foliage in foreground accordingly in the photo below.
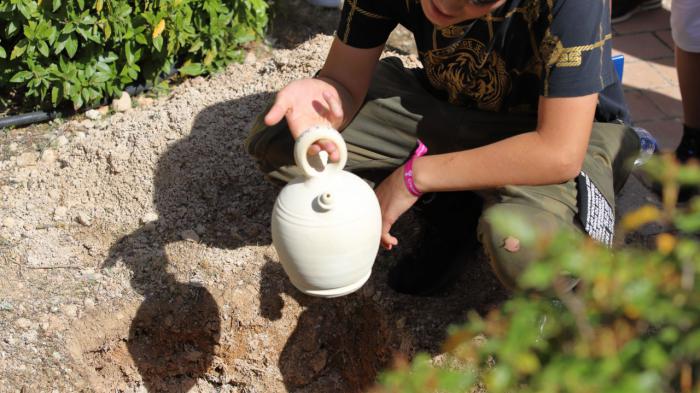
(631, 325)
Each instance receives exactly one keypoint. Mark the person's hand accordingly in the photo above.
(394, 200)
(306, 103)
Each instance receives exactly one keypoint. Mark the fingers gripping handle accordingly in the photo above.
(311, 136)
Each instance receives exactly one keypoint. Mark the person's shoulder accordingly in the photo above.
(576, 8)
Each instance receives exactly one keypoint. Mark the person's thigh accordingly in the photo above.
(545, 210)
(397, 111)
(551, 208)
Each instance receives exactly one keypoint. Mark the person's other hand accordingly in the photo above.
(394, 200)
(306, 103)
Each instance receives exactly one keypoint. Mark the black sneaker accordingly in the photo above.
(449, 239)
(625, 9)
(687, 150)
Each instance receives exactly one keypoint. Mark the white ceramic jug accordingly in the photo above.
(326, 225)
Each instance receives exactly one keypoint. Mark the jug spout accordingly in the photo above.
(325, 201)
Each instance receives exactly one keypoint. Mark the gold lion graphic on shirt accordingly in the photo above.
(467, 74)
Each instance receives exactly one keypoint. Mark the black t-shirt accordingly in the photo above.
(504, 60)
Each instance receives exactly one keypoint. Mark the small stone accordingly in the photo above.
(104, 110)
(84, 219)
(198, 81)
(89, 303)
(87, 124)
(70, 310)
(56, 355)
(54, 194)
(27, 159)
(9, 222)
(61, 141)
(92, 276)
(144, 101)
(12, 147)
(149, 217)
(250, 58)
(122, 104)
(189, 235)
(93, 114)
(80, 135)
(23, 323)
(49, 156)
(149, 226)
(193, 355)
(60, 212)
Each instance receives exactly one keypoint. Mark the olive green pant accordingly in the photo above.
(398, 110)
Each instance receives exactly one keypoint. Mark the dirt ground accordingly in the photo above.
(136, 255)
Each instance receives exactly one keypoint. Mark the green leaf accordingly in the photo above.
(43, 48)
(10, 29)
(141, 39)
(19, 49)
(54, 95)
(107, 30)
(21, 77)
(191, 69)
(129, 55)
(3, 54)
(158, 43)
(71, 46)
(81, 4)
(56, 5)
(60, 46)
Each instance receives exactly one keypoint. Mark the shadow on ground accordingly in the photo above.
(173, 337)
(205, 185)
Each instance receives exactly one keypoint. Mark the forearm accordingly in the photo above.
(525, 159)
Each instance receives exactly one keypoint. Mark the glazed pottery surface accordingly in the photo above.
(326, 225)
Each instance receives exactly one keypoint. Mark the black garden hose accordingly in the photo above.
(41, 116)
(27, 118)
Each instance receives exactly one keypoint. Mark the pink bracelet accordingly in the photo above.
(408, 169)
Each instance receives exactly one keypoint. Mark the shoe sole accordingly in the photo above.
(645, 6)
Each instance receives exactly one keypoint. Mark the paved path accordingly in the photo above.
(650, 79)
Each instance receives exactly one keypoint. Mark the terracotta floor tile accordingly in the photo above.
(667, 132)
(641, 107)
(665, 37)
(667, 68)
(668, 99)
(644, 21)
(642, 75)
(643, 46)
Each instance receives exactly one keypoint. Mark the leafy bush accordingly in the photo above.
(632, 324)
(54, 52)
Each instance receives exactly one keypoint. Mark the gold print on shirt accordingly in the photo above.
(456, 70)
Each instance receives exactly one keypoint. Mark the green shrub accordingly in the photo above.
(632, 324)
(57, 52)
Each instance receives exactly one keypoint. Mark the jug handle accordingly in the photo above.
(311, 136)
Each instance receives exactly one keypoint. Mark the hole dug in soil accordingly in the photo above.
(242, 339)
(163, 344)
